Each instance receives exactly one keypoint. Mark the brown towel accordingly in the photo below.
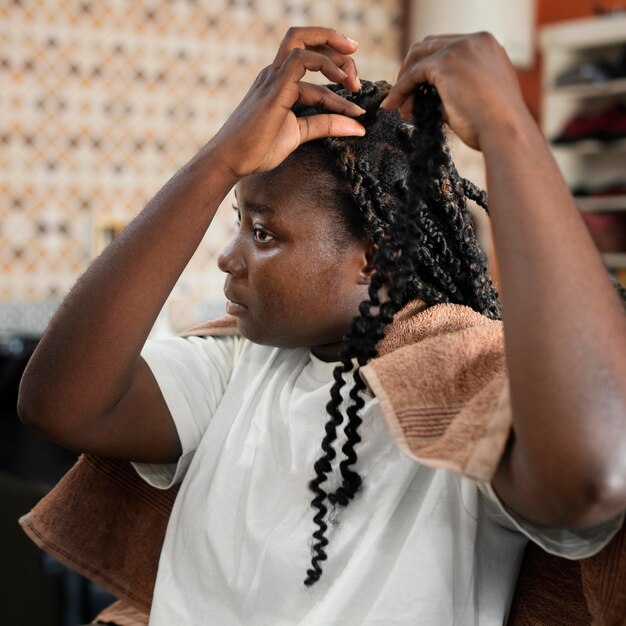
(122, 614)
(220, 327)
(442, 386)
(103, 522)
(441, 380)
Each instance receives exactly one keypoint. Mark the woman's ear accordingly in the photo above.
(367, 269)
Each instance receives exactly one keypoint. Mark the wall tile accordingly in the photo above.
(102, 102)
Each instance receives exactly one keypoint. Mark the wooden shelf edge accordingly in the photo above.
(614, 260)
(591, 32)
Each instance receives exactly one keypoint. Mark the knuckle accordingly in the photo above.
(264, 78)
(264, 74)
(483, 36)
(447, 53)
(297, 54)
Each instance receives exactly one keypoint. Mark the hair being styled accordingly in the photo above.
(398, 186)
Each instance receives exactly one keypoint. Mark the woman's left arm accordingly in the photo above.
(564, 325)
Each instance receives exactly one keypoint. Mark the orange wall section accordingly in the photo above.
(550, 11)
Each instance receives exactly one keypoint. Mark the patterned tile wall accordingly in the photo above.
(102, 101)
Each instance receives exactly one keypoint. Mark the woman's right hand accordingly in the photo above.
(86, 385)
(263, 131)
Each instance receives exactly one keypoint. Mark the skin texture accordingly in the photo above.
(565, 329)
(290, 301)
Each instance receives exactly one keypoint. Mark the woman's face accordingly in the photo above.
(295, 278)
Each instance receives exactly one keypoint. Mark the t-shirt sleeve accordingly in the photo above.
(568, 543)
(192, 374)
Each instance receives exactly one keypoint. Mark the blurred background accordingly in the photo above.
(101, 102)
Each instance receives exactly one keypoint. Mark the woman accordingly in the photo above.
(324, 226)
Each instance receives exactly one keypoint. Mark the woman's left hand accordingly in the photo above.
(475, 79)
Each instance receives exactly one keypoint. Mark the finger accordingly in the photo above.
(304, 37)
(323, 98)
(420, 72)
(328, 125)
(406, 108)
(430, 45)
(346, 63)
(301, 60)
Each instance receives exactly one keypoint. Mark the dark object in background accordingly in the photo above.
(23, 452)
(35, 590)
(602, 11)
(606, 125)
(586, 74)
(613, 188)
(29, 596)
(608, 230)
(593, 73)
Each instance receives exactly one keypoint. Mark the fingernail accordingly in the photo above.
(383, 102)
(354, 43)
(358, 82)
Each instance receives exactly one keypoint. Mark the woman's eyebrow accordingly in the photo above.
(259, 208)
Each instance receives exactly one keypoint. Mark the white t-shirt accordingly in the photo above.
(417, 546)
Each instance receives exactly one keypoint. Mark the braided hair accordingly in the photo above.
(397, 186)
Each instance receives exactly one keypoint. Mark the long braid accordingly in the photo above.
(415, 211)
(323, 467)
(408, 198)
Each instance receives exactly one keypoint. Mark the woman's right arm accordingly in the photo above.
(86, 386)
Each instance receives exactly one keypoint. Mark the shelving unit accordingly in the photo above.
(589, 163)
(599, 90)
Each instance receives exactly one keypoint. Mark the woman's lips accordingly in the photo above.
(235, 308)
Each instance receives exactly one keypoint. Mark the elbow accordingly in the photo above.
(590, 501)
(567, 491)
(606, 498)
(36, 411)
(35, 403)
(28, 409)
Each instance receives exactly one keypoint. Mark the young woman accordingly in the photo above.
(342, 201)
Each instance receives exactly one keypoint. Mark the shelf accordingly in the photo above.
(588, 164)
(602, 203)
(591, 146)
(614, 260)
(580, 34)
(590, 90)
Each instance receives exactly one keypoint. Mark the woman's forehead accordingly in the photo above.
(287, 187)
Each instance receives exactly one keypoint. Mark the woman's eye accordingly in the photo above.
(261, 236)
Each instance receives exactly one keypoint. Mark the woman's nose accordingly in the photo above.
(230, 260)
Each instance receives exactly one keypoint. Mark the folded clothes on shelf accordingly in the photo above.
(593, 72)
(613, 188)
(607, 229)
(585, 74)
(605, 125)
